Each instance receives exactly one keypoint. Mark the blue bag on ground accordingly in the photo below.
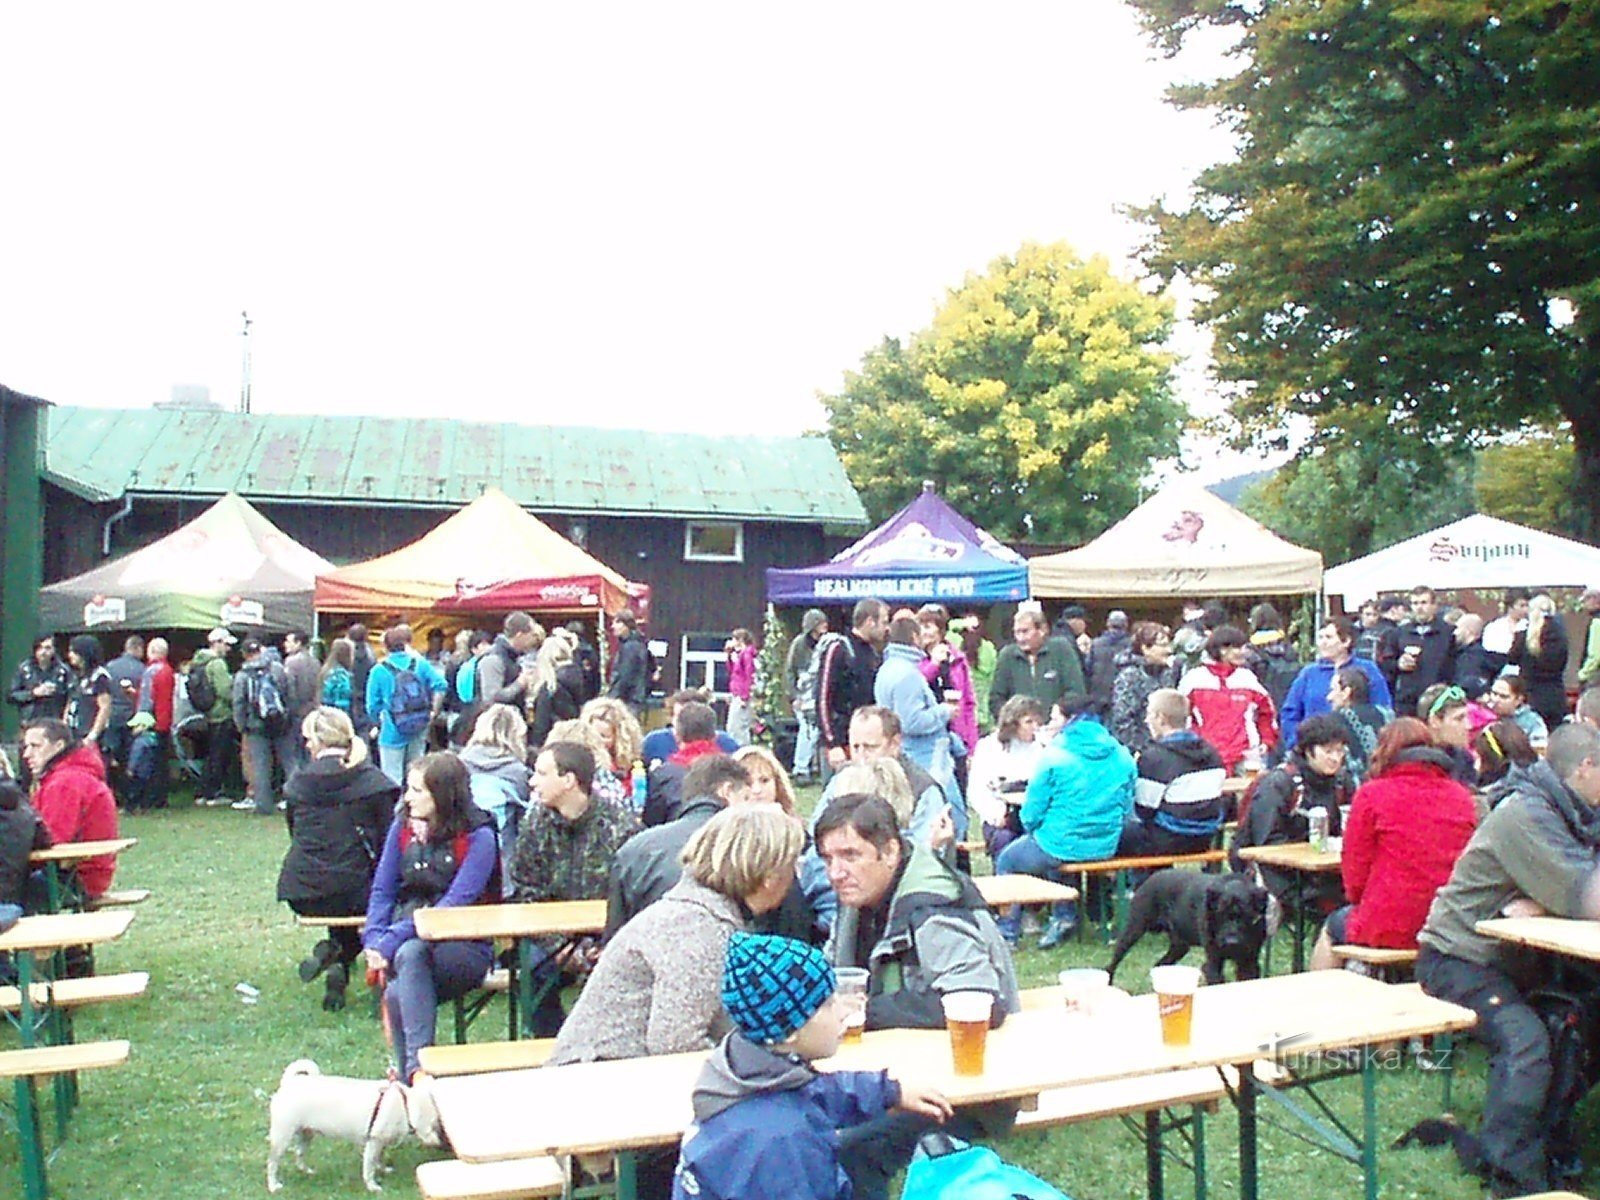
(973, 1173)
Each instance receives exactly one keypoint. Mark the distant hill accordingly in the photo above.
(1230, 490)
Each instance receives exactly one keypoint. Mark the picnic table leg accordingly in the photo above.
(1197, 1125)
(31, 1135)
(627, 1176)
(1445, 1044)
(1154, 1183)
(1369, 1122)
(1249, 1183)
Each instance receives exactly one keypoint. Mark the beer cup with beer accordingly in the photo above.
(966, 1015)
(1174, 988)
(851, 993)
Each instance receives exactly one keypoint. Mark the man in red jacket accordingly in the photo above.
(71, 795)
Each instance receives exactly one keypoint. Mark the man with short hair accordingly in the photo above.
(648, 865)
(1308, 694)
(1499, 633)
(694, 728)
(1587, 710)
(361, 664)
(157, 693)
(847, 669)
(1589, 671)
(661, 744)
(587, 658)
(267, 732)
(42, 683)
(800, 686)
(1540, 844)
(1445, 711)
(565, 852)
(305, 691)
(1102, 663)
(1426, 652)
(126, 670)
(875, 733)
(502, 678)
(1035, 664)
(406, 692)
(1177, 796)
(630, 674)
(1508, 699)
(221, 733)
(1393, 612)
(71, 797)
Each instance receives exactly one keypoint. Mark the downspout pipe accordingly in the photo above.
(120, 515)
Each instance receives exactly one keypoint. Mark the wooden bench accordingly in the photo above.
(123, 898)
(330, 922)
(479, 1058)
(1121, 869)
(515, 1179)
(77, 993)
(26, 1067)
(1389, 965)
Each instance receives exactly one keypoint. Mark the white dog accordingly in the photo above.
(374, 1113)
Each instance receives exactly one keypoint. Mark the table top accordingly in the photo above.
(997, 890)
(1235, 785)
(1562, 935)
(607, 1106)
(53, 931)
(69, 852)
(1292, 856)
(543, 919)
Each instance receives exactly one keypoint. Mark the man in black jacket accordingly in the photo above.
(1427, 651)
(42, 683)
(846, 672)
(630, 674)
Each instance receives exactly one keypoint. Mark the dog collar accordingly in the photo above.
(405, 1103)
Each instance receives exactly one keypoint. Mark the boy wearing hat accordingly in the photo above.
(768, 1124)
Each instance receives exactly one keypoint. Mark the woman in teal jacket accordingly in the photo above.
(1073, 810)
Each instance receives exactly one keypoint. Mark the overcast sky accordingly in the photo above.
(671, 216)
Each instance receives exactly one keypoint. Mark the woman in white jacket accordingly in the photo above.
(1002, 764)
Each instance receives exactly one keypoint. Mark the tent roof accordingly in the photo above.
(490, 543)
(1183, 541)
(925, 552)
(183, 580)
(1479, 551)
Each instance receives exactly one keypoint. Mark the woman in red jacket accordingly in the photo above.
(1408, 824)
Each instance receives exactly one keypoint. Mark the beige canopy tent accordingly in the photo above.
(1183, 541)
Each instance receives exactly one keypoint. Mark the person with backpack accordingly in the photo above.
(846, 667)
(209, 690)
(267, 733)
(405, 692)
(1308, 694)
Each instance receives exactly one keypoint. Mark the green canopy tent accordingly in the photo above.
(229, 566)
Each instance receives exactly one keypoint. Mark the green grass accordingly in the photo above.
(187, 1116)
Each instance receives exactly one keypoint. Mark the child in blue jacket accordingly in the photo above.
(767, 1124)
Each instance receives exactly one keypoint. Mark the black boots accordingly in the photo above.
(323, 954)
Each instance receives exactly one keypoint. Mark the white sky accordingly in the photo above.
(685, 216)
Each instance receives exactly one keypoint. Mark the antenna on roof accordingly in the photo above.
(244, 387)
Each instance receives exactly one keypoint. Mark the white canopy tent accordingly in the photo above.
(1183, 541)
(1479, 552)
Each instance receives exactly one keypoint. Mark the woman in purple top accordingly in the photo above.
(741, 650)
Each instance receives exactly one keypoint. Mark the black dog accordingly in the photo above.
(1226, 914)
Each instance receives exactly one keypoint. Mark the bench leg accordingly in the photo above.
(1369, 1123)
(1249, 1178)
(31, 1135)
(1154, 1182)
(1197, 1123)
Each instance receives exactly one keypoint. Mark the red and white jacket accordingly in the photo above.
(1231, 710)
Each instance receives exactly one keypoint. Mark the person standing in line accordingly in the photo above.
(847, 669)
(126, 670)
(1589, 670)
(89, 709)
(1540, 652)
(158, 688)
(210, 690)
(630, 674)
(406, 692)
(42, 683)
(741, 651)
(800, 684)
(271, 744)
(304, 683)
(1427, 648)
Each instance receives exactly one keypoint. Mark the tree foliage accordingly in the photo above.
(1035, 401)
(1353, 499)
(1407, 245)
(1527, 481)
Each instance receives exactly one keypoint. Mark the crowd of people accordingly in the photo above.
(1440, 750)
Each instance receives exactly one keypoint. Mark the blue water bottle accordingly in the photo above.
(640, 786)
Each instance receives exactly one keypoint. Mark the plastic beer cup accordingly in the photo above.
(1174, 988)
(966, 1015)
(1083, 986)
(852, 992)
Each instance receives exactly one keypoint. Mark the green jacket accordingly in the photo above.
(216, 668)
(1057, 671)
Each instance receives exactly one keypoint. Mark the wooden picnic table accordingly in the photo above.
(54, 859)
(520, 924)
(625, 1106)
(1305, 859)
(1567, 936)
(999, 891)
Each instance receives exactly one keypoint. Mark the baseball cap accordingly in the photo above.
(219, 634)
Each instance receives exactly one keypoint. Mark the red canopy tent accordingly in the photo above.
(491, 556)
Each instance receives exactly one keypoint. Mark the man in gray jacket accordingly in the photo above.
(261, 694)
(1537, 852)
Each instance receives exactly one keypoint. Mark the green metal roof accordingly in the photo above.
(102, 454)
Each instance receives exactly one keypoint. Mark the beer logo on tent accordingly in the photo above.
(915, 543)
(239, 611)
(1186, 528)
(105, 610)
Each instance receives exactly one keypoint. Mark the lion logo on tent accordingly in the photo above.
(1186, 528)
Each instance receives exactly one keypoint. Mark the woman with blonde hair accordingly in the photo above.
(619, 730)
(1540, 653)
(769, 782)
(557, 692)
(338, 807)
(496, 758)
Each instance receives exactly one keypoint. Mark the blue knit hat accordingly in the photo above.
(773, 985)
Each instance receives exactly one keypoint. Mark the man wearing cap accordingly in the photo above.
(1589, 672)
(799, 682)
(1102, 665)
(221, 735)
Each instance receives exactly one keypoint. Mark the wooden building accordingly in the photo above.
(699, 518)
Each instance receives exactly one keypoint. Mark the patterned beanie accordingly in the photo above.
(773, 985)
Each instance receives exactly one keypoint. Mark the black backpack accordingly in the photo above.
(202, 692)
(1572, 1019)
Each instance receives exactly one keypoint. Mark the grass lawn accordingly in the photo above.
(186, 1118)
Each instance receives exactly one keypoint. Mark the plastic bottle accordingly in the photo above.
(640, 785)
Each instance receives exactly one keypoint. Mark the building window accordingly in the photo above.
(706, 541)
(704, 662)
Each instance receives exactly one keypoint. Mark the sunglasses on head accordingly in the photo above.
(1449, 697)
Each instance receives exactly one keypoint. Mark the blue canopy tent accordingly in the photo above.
(926, 552)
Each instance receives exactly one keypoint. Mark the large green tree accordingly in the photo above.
(1035, 401)
(1407, 244)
